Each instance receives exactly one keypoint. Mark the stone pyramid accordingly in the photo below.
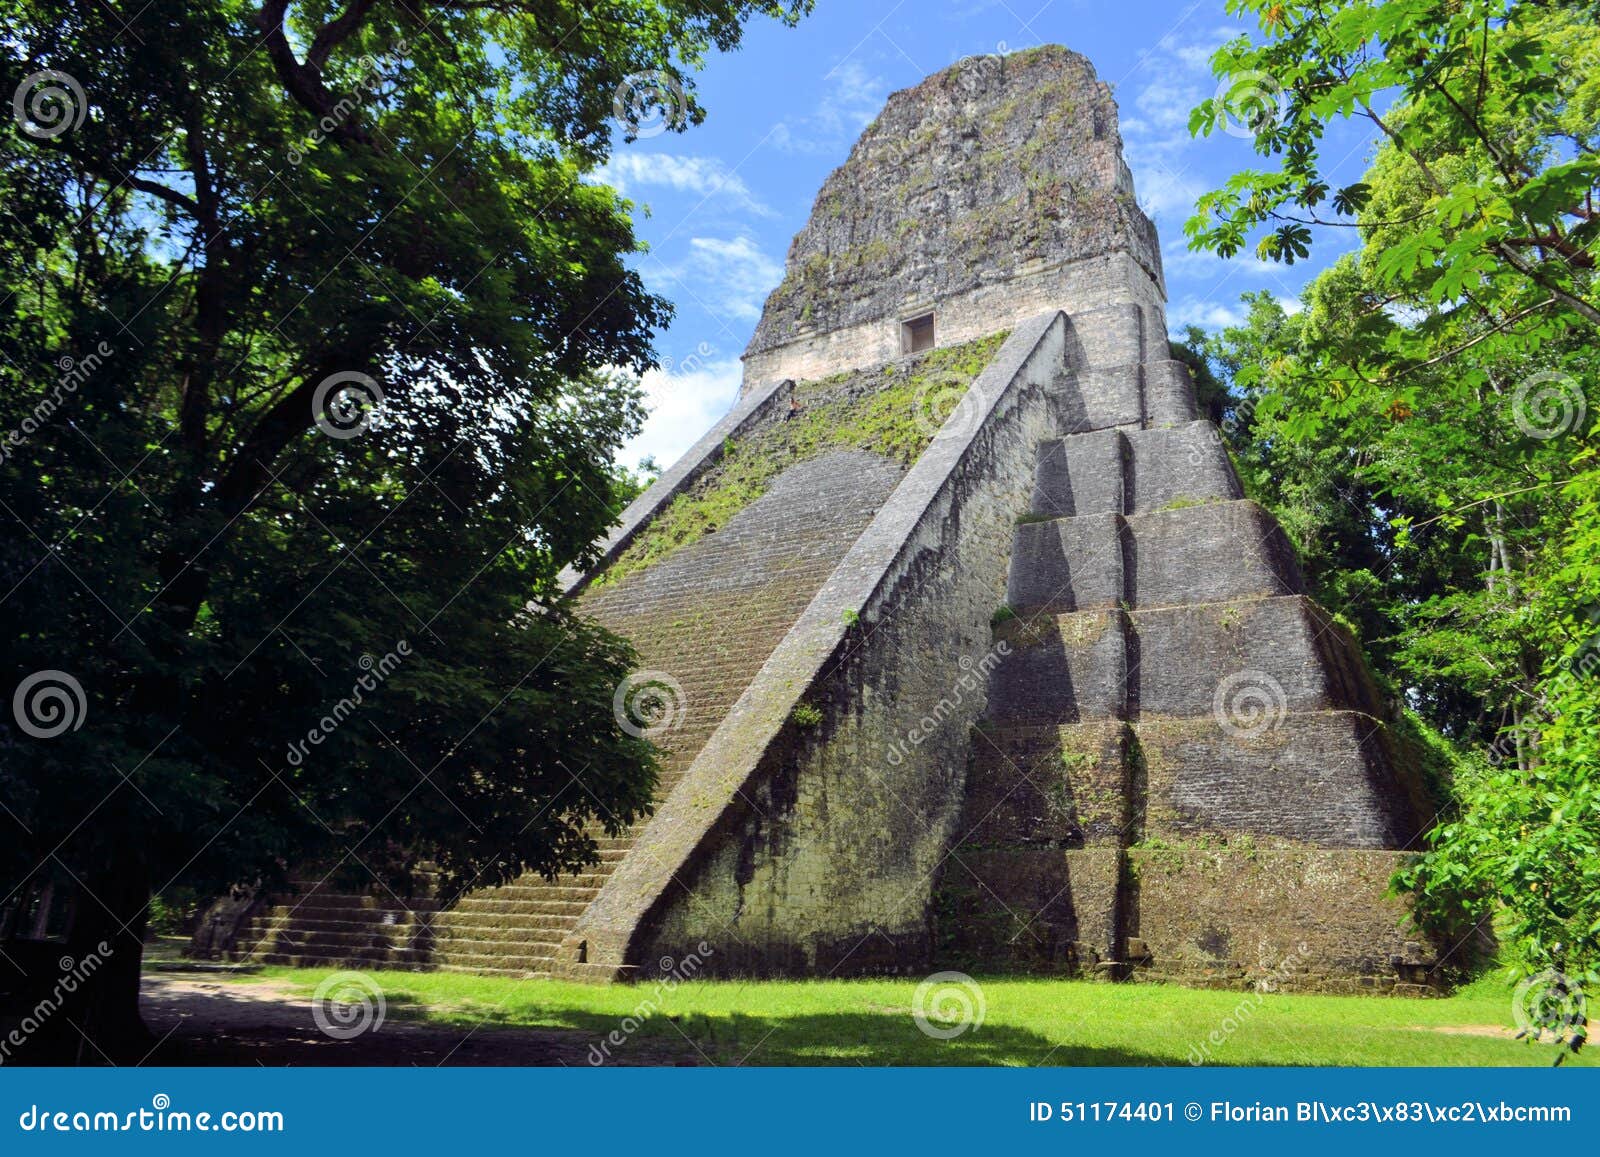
(962, 644)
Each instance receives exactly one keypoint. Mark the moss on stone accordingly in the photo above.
(874, 409)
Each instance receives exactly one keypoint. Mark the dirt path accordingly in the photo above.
(200, 1020)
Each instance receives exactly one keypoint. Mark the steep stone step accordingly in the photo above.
(1283, 650)
(1058, 785)
(1215, 552)
(1321, 777)
(1133, 471)
(1062, 668)
(490, 924)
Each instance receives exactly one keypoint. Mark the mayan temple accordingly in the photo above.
(963, 645)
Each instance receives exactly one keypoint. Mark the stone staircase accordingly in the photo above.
(706, 617)
(1168, 690)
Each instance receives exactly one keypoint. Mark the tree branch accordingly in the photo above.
(336, 32)
(304, 81)
(170, 196)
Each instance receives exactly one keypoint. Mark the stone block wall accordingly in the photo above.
(1182, 771)
(1050, 699)
(987, 194)
(801, 846)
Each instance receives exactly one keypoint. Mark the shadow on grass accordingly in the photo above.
(808, 1038)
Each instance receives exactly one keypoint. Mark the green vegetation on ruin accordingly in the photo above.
(1026, 1021)
(874, 409)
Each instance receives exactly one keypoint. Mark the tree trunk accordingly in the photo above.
(79, 1004)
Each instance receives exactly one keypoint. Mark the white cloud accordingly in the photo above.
(707, 177)
(1208, 313)
(853, 98)
(729, 277)
(684, 403)
(1205, 314)
(1170, 80)
(1180, 258)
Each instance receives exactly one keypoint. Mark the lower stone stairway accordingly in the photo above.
(703, 620)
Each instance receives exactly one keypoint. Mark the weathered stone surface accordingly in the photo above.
(1281, 916)
(1062, 668)
(1068, 564)
(1169, 394)
(1083, 474)
(1133, 471)
(1184, 465)
(1285, 651)
(1066, 786)
(1051, 699)
(988, 193)
(1209, 553)
(1320, 777)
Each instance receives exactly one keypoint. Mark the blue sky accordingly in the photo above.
(719, 203)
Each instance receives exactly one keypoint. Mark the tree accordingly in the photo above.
(1446, 370)
(306, 379)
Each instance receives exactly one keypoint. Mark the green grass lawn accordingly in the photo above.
(1026, 1021)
